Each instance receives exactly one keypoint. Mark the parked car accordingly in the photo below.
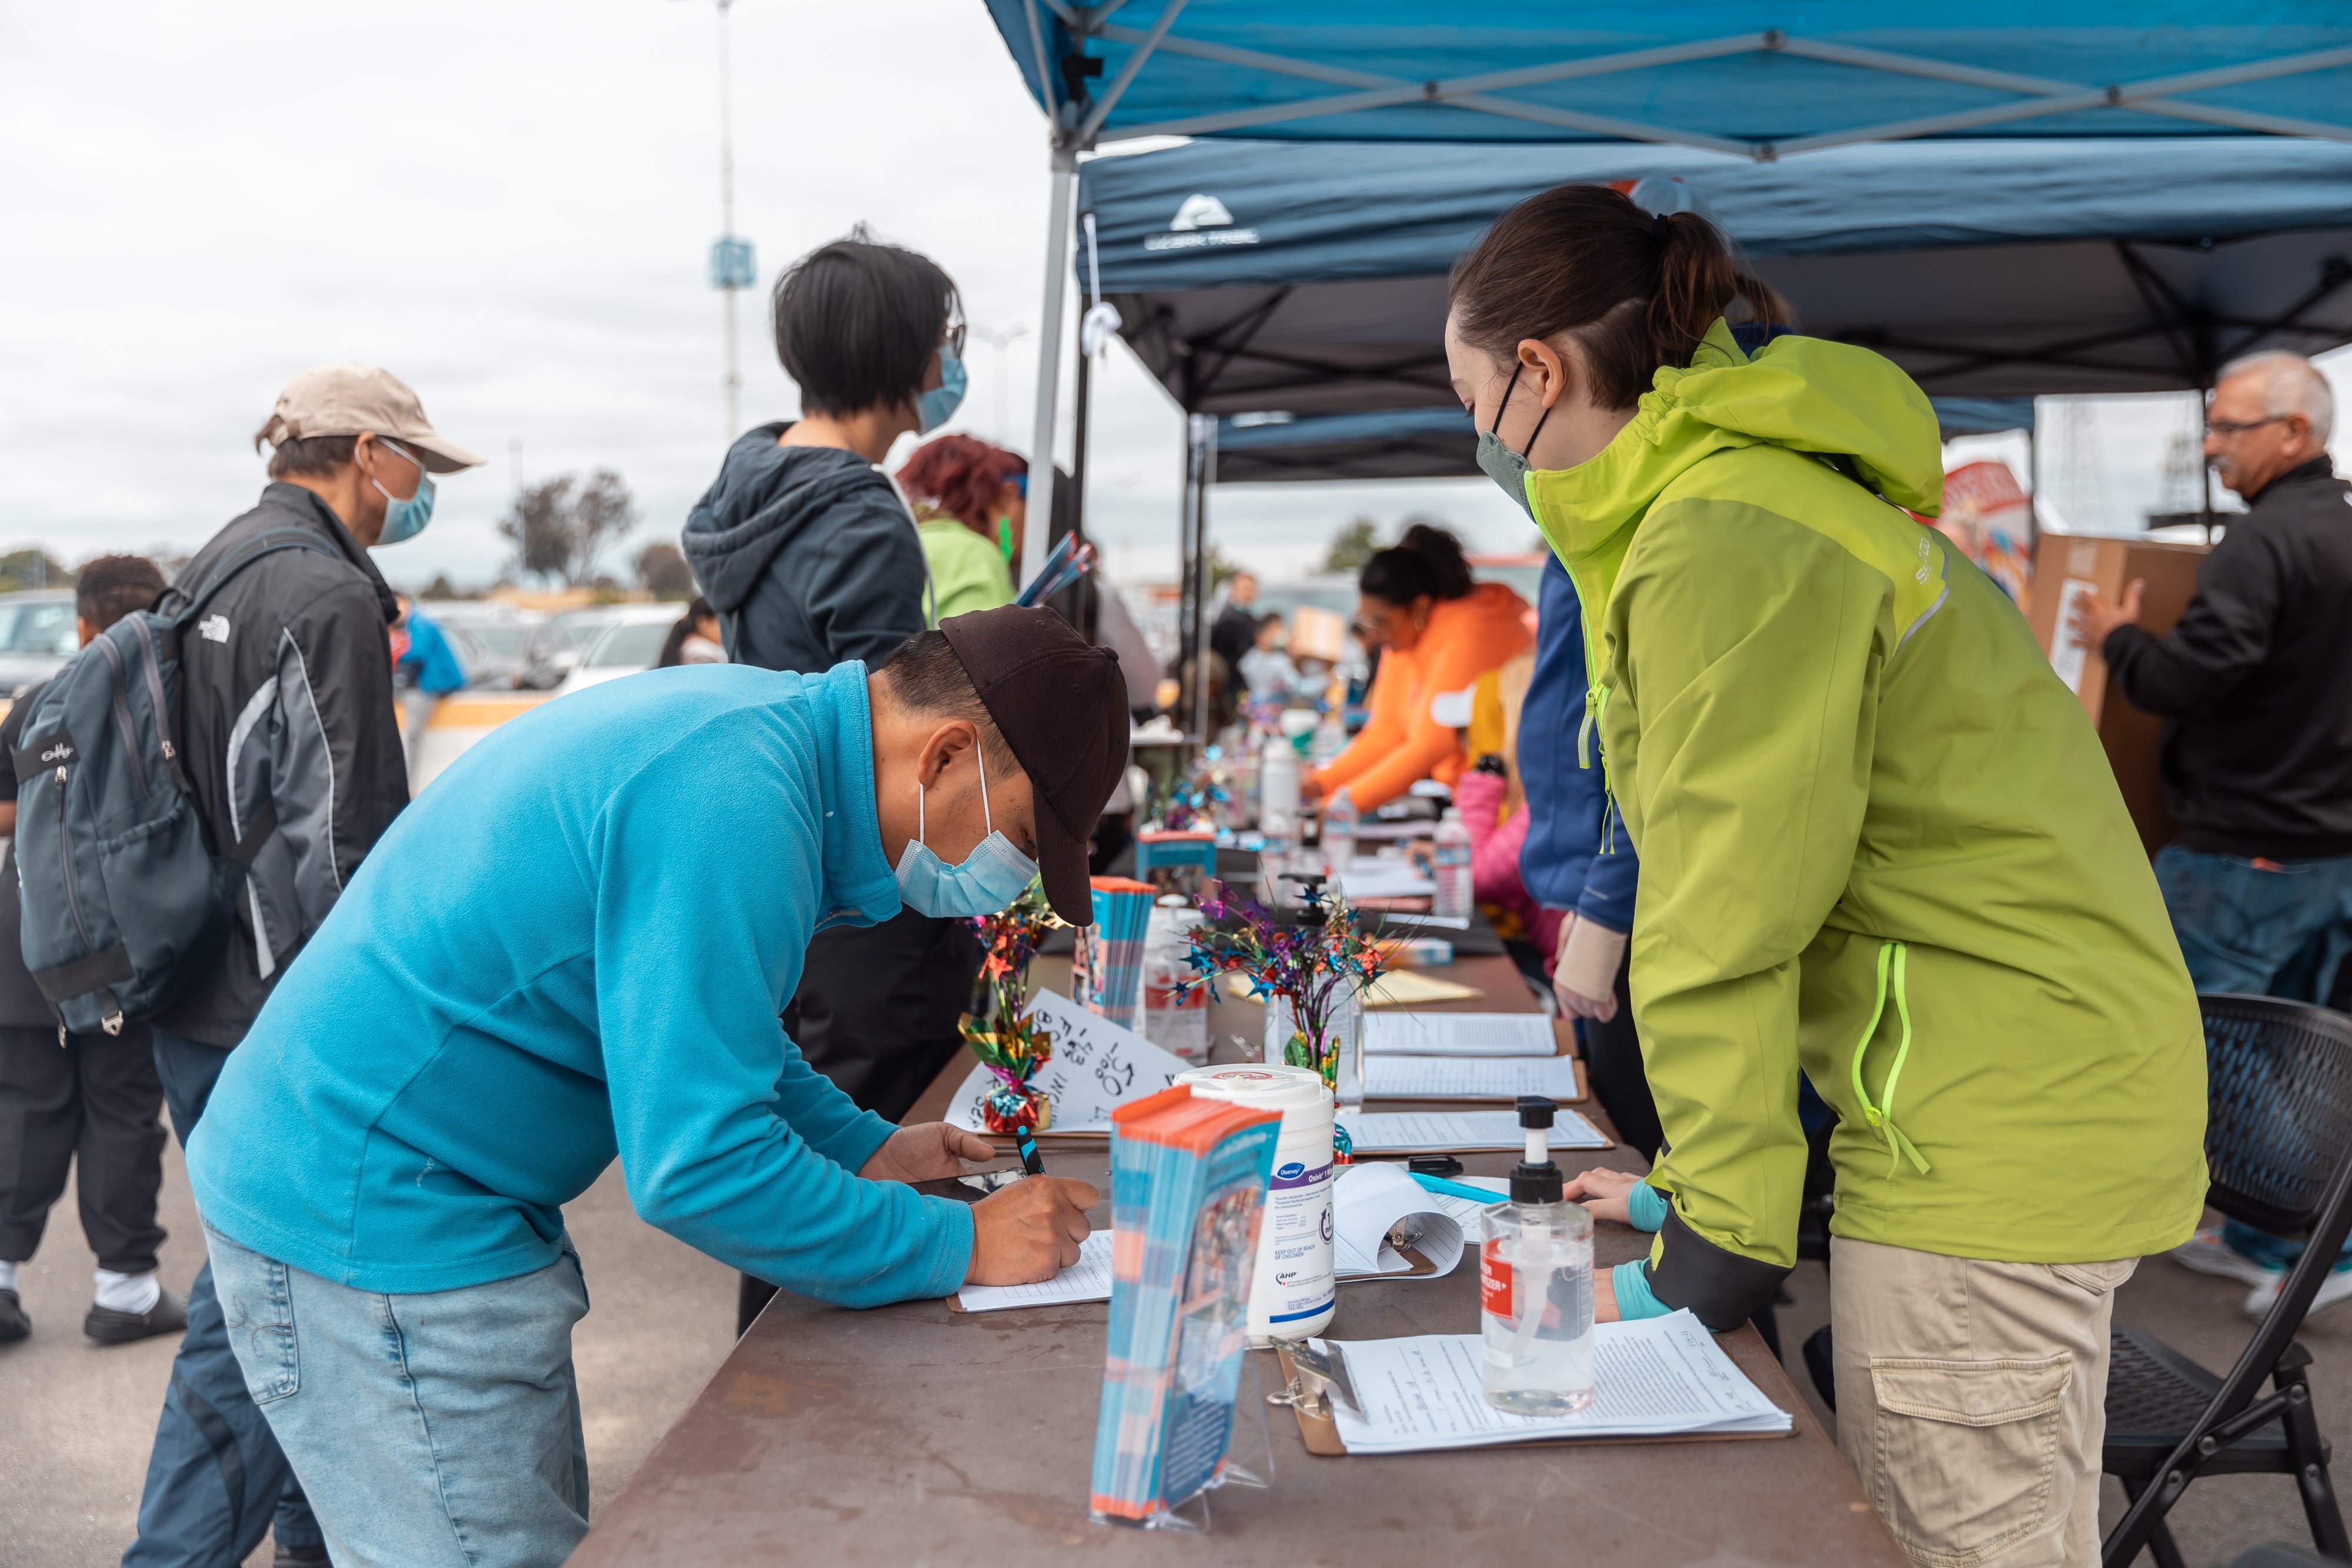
(36, 636)
(491, 638)
(630, 641)
(556, 644)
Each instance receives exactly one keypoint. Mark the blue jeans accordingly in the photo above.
(216, 1479)
(2261, 930)
(439, 1430)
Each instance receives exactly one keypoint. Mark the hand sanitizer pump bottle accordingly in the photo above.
(1535, 1285)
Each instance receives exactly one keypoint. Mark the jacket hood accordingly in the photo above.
(1808, 394)
(1485, 601)
(764, 497)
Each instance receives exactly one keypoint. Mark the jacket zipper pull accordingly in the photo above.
(112, 1022)
(1584, 730)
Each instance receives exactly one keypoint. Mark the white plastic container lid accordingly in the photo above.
(1298, 1093)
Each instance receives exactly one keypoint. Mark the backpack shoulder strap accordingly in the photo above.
(267, 542)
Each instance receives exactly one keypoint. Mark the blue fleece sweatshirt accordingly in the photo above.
(575, 945)
(1562, 860)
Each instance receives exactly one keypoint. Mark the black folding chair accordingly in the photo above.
(2277, 1136)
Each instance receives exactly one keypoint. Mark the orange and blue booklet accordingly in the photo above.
(1188, 1183)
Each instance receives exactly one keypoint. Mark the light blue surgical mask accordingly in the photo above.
(988, 880)
(937, 406)
(1507, 468)
(406, 519)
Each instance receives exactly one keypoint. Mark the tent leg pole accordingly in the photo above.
(1049, 360)
(1204, 464)
(1071, 599)
(1189, 618)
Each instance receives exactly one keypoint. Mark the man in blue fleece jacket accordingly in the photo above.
(577, 946)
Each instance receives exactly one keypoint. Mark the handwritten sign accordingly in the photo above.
(1096, 1068)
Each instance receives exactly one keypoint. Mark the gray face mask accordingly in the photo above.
(1507, 468)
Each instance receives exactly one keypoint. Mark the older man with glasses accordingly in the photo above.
(2254, 686)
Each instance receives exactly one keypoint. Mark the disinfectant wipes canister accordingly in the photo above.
(1292, 1295)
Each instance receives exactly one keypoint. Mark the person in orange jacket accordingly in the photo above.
(1438, 633)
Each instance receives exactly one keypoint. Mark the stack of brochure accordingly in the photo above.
(1106, 967)
(1187, 1179)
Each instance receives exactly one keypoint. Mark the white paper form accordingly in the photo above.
(1096, 1068)
(1385, 877)
(1445, 1132)
(1469, 1077)
(1458, 1034)
(1087, 1280)
(1655, 1377)
(2067, 656)
(1372, 1201)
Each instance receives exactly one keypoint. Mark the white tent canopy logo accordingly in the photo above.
(1200, 220)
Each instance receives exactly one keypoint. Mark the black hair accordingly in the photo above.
(112, 586)
(320, 456)
(1427, 561)
(673, 651)
(925, 675)
(857, 323)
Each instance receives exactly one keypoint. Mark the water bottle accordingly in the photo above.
(1277, 781)
(1330, 739)
(1534, 1286)
(1179, 1026)
(1339, 819)
(1450, 866)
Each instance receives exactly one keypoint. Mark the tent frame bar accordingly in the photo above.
(2041, 97)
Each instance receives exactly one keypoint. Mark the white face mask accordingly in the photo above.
(986, 881)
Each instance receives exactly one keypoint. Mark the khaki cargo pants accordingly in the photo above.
(1972, 1401)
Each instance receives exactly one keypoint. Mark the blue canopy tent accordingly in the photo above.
(1735, 78)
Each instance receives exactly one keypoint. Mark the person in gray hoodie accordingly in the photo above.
(811, 558)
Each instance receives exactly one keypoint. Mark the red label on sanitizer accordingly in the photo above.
(1494, 1279)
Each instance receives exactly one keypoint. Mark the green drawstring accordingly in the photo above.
(1898, 1147)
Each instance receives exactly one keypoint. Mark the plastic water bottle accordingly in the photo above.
(1277, 781)
(1330, 739)
(1340, 819)
(1534, 1286)
(1450, 866)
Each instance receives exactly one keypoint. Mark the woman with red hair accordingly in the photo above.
(970, 501)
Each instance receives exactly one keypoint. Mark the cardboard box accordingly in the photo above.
(2066, 566)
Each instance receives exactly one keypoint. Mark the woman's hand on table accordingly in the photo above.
(1310, 789)
(928, 1151)
(1603, 1193)
(1029, 1231)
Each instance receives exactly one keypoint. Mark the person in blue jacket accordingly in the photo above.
(427, 671)
(578, 950)
(1574, 862)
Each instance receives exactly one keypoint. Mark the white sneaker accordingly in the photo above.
(2207, 1253)
(2336, 1287)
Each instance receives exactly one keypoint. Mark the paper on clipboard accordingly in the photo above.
(1087, 1280)
(1452, 1132)
(1469, 1078)
(1374, 1205)
(1459, 1034)
(1096, 1068)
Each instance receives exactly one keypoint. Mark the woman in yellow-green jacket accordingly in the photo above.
(969, 504)
(1880, 845)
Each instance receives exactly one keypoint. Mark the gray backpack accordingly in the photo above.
(125, 899)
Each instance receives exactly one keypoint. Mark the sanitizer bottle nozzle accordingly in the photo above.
(1535, 1179)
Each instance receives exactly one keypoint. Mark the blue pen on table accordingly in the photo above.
(1459, 1189)
(1031, 1160)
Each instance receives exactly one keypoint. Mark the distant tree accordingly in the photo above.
(33, 567)
(1221, 570)
(662, 572)
(441, 588)
(560, 528)
(1351, 547)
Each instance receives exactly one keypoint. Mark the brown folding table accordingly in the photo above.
(912, 1435)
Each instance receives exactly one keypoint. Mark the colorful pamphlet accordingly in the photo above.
(1189, 1175)
(1107, 963)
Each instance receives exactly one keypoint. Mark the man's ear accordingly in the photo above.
(953, 740)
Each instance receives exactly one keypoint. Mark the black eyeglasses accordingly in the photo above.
(2226, 427)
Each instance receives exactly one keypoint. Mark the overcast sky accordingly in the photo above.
(509, 205)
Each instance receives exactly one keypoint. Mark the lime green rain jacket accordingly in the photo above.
(1880, 842)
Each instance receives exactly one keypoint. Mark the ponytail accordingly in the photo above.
(1636, 290)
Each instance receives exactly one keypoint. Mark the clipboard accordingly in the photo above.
(1321, 1434)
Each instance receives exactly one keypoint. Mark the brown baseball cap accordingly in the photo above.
(350, 398)
(1061, 705)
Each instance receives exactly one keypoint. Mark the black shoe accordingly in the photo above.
(14, 1325)
(168, 1315)
(299, 1557)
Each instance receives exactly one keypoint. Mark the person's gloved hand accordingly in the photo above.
(928, 1151)
(1584, 975)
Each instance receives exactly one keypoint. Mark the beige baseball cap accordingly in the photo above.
(350, 398)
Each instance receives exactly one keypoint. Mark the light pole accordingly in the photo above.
(1002, 341)
(732, 268)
